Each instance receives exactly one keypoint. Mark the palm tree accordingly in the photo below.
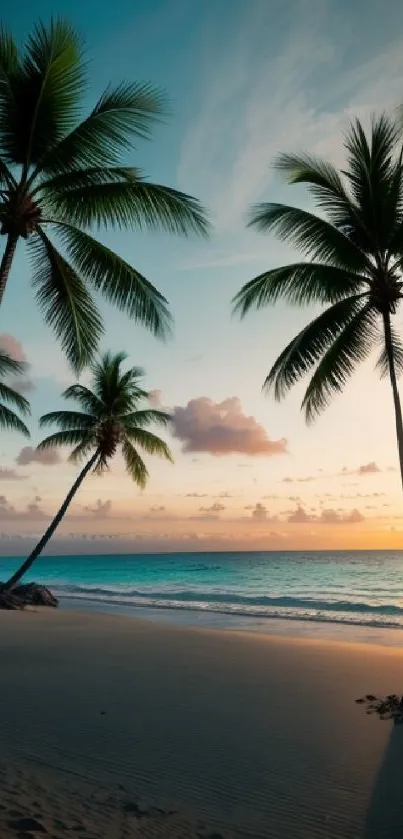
(107, 418)
(355, 260)
(9, 396)
(64, 177)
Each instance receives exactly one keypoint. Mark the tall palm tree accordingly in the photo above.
(9, 396)
(354, 267)
(108, 417)
(63, 177)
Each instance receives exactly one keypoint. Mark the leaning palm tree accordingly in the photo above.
(354, 267)
(109, 417)
(61, 177)
(10, 398)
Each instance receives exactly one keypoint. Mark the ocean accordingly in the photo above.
(361, 588)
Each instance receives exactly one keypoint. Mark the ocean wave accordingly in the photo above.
(288, 608)
(223, 599)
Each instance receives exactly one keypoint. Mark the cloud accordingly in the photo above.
(215, 508)
(159, 509)
(15, 349)
(100, 508)
(371, 468)
(221, 428)
(196, 495)
(47, 457)
(299, 516)
(155, 398)
(368, 469)
(259, 512)
(305, 480)
(32, 512)
(328, 516)
(10, 474)
(281, 76)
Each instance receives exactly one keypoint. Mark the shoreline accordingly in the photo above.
(121, 727)
(342, 631)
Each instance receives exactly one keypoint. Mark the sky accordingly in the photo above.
(245, 81)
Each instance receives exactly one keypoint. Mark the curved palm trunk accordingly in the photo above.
(393, 381)
(52, 527)
(6, 262)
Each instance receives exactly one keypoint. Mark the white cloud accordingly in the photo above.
(257, 97)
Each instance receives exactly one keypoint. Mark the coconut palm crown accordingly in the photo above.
(62, 174)
(353, 264)
(109, 417)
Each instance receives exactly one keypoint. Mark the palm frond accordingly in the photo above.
(84, 179)
(382, 364)
(301, 284)
(106, 375)
(351, 347)
(135, 465)
(83, 450)
(130, 203)
(10, 421)
(6, 177)
(9, 366)
(370, 172)
(123, 112)
(69, 419)
(85, 398)
(65, 303)
(117, 281)
(149, 416)
(9, 70)
(70, 437)
(324, 183)
(12, 397)
(314, 236)
(305, 350)
(149, 442)
(45, 91)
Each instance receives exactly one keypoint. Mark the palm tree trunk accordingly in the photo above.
(12, 582)
(393, 381)
(6, 262)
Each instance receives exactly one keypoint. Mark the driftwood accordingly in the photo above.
(27, 594)
(388, 708)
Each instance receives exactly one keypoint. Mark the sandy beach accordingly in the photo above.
(117, 727)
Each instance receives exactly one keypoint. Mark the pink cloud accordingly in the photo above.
(47, 457)
(155, 398)
(221, 428)
(100, 508)
(15, 349)
(11, 346)
(368, 468)
(328, 516)
(10, 475)
(259, 512)
(32, 512)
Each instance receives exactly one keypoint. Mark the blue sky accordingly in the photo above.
(245, 80)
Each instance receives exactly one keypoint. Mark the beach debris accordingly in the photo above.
(27, 594)
(388, 708)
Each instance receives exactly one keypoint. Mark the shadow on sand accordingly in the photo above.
(385, 812)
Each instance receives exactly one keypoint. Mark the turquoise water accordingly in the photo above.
(360, 588)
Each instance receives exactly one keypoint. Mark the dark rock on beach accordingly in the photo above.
(27, 594)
